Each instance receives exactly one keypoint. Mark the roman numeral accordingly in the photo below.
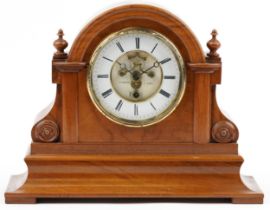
(154, 48)
(164, 93)
(153, 106)
(136, 110)
(103, 76)
(137, 40)
(107, 93)
(169, 77)
(165, 60)
(120, 47)
(119, 105)
(108, 59)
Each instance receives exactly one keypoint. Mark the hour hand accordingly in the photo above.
(123, 69)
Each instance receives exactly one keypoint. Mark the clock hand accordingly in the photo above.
(155, 65)
(123, 69)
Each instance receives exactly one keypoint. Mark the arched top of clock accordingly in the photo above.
(144, 16)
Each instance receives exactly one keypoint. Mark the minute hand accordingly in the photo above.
(156, 64)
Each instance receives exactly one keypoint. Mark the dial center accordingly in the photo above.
(136, 75)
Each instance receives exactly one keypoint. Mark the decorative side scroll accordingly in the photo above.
(224, 132)
(46, 131)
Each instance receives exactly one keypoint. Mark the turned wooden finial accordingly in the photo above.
(213, 45)
(60, 45)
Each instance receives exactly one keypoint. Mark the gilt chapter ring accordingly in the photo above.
(224, 132)
(46, 131)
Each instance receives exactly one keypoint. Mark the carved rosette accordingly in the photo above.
(45, 131)
(224, 132)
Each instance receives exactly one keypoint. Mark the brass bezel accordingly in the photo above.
(161, 116)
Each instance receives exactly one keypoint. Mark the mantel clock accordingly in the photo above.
(135, 116)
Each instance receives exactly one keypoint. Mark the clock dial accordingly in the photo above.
(136, 77)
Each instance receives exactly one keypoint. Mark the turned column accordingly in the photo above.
(205, 75)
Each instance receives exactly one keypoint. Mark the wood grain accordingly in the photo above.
(191, 154)
(124, 176)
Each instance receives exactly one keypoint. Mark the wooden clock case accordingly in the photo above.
(78, 153)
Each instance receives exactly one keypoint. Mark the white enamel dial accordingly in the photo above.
(136, 77)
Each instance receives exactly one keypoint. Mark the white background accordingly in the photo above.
(28, 28)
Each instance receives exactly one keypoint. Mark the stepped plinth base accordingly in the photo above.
(178, 176)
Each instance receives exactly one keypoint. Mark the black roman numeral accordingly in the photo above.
(119, 105)
(120, 47)
(136, 110)
(103, 76)
(137, 40)
(164, 93)
(169, 77)
(153, 106)
(108, 59)
(165, 60)
(154, 48)
(107, 93)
